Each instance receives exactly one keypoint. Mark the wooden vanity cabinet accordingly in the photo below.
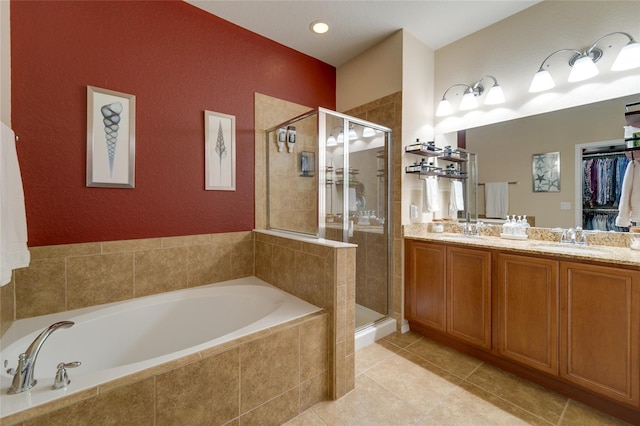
(527, 304)
(468, 283)
(448, 289)
(424, 297)
(600, 329)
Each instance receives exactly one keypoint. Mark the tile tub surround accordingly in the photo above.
(272, 375)
(321, 272)
(72, 276)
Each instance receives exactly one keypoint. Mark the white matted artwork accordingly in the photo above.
(220, 151)
(111, 138)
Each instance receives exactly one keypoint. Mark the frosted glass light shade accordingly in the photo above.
(352, 134)
(444, 108)
(541, 81)
(367, 132)
(468, 102)
(331, 141)
(494, 96)
(341, 138)
(628, 57)
(583, 69)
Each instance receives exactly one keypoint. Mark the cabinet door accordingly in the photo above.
(599, 329)
(425, 283)
(528, 311)
(469, 295)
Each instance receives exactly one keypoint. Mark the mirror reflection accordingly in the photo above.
(506, 153)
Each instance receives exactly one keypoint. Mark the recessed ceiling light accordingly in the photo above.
(319, 27)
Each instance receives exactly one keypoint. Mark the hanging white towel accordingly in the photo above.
(13, 222)
(431, 195)
(456, 198)
(496, 196)
(629, 207)
(353, 200)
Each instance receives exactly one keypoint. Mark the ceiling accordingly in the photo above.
(355, 26)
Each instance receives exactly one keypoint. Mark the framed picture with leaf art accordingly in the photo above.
(546, 172)
(220, 151)
(111, 138)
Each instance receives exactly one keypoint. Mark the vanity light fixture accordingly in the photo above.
(335, 140)
(469, 101)
(319, 27)
(583, 63)
(368, 132)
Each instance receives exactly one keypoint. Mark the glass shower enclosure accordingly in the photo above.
(329, 177)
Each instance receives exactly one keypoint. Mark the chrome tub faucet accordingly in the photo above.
(23, 378)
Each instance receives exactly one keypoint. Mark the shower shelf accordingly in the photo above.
(437, 174)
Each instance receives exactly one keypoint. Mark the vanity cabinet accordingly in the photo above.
(448, 289)
(468, 283)
(570, 325)
(600, 329)
(425, 284)
(527, 304)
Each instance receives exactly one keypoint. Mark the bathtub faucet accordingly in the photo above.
(23, 378)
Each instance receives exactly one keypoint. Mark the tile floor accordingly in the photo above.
(406, 379)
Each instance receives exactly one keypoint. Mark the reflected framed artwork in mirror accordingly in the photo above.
(546, 172)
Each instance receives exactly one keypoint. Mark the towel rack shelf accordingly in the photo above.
(436, 174)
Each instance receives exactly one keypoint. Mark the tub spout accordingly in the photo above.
(23, 379)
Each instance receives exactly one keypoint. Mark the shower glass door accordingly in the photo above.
(354, 204)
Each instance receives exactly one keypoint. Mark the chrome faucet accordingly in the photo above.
(574, 236)
(23, 378)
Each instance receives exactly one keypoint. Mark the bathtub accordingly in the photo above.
(118, 339)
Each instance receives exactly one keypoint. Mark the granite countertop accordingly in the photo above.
(604, 247)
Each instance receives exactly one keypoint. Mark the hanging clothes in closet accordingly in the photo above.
(603, 176)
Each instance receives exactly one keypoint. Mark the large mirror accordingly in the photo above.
(505, 154)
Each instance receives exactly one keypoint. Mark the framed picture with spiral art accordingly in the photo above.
(220, 151)
(111, 138)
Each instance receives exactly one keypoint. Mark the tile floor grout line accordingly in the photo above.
(566, 406)
(512, 403)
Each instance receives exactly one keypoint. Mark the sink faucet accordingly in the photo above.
(23, 378)
(571, 236)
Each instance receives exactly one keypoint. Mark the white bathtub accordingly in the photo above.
(119, 339)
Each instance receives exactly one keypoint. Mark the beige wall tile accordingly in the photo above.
(242, 256)
(40, 288)
(7, 305)
(131, 405)
(202, 393)
(64, 250)
(284, 262)
(186, 240)
(93, 280)
(314, 390)
(131, 245)
(269, 367)
(209, 264)
(309, 283)
(275, 412)
(314, 348)
(263, 261)
(159, 271)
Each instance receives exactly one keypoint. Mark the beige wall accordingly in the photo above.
(371, 75)
(513, 49)
(505, 150)
(5, 64)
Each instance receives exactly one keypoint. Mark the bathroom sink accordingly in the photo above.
(569, 249)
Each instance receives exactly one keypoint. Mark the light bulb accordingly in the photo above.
(468, 101)
(444, 108)
(583, 69)
(541, 81)
(628, 57)
(495, 96)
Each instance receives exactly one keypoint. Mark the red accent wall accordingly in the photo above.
(179, 61)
